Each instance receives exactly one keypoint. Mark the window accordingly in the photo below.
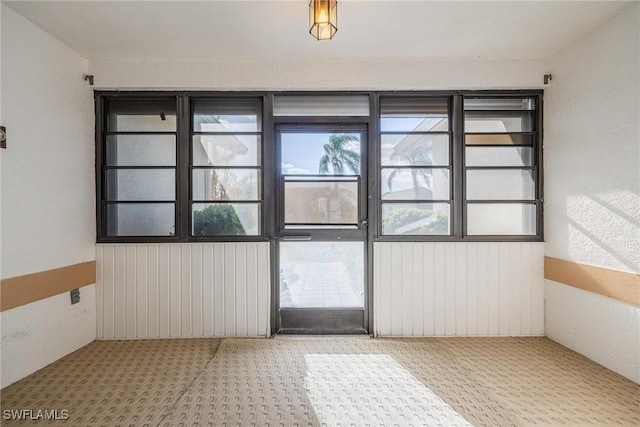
(441, 166)
(501, 166)
(415, 166)
(139, 170)
(226, 168)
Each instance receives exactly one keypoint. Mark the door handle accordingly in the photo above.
(296, 238)
(364, 222)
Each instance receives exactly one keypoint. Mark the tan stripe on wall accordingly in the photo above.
(21, 290)
(615, 284)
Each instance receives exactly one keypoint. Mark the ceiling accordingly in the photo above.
(278, 30)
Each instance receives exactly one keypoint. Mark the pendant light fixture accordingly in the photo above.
(323, 19)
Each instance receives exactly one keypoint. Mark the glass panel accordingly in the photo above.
(141, 219)
(226, 184)
(498, 122)
(423, 123)
(498, 139)
(414, 150)
(496, 184)
(141, 150)
(415, 219)
(312, 153)
(322, 274)
(499, 104)
(415, 184)
(141, 116)
(141, 184)
(226, 150)
(328, 202)
(501, 219)
(414, 115)
(323, 105)
(226, 219)
(499, 156)
(226, 116)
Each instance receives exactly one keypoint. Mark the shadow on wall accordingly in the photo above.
(594, 226)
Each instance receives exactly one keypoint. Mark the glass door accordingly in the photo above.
(322, 226)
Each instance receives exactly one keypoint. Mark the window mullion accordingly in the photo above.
(457, 162)
(183, 159)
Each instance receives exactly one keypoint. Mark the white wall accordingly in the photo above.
(592, 187)
(40, 333)
(48, 214)
(326, 75)
(183, 290)
(458, 289)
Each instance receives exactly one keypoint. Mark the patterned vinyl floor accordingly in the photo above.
(327, 382)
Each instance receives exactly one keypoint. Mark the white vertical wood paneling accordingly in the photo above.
(142, 291)
(482, 284)
(428, 285)
(472, 290)
(153, 293)
(196, 296)
(183, 290)
(439, 292)
(119, 306)
(463, 289)
(417, 302)
(164, 291)
(207, 291)
(175, 294)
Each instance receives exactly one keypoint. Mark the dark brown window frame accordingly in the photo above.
(268, 227)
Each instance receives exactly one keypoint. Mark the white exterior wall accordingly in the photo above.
(458, 289)
(47, 214)
(183, 290)
(592, 187)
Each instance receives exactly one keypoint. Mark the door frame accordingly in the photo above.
(364, 232)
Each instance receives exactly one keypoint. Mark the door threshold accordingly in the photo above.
(318, 336)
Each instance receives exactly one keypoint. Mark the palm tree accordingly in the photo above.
(420, 155)
(338, 155)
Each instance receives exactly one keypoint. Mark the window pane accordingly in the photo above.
(424, 123)
(226, 219)
(494, 184)
(312, 153)
(323, 105)
(499, 104)
(141, 184)
(321, 274)
(328, 202)
(415, 184)
(498, 122)
(414, 150)
(414, 115)
(416, 219)
(226, 116)
(141, 219)
(226, 150)
(226, 184)
(499, 156)
(141, 116)
(501, 219)
(498, 139)
(141, 150)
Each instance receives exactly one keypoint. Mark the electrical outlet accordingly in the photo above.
(75, 296)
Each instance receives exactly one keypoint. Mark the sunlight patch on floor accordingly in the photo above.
(371, 388)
